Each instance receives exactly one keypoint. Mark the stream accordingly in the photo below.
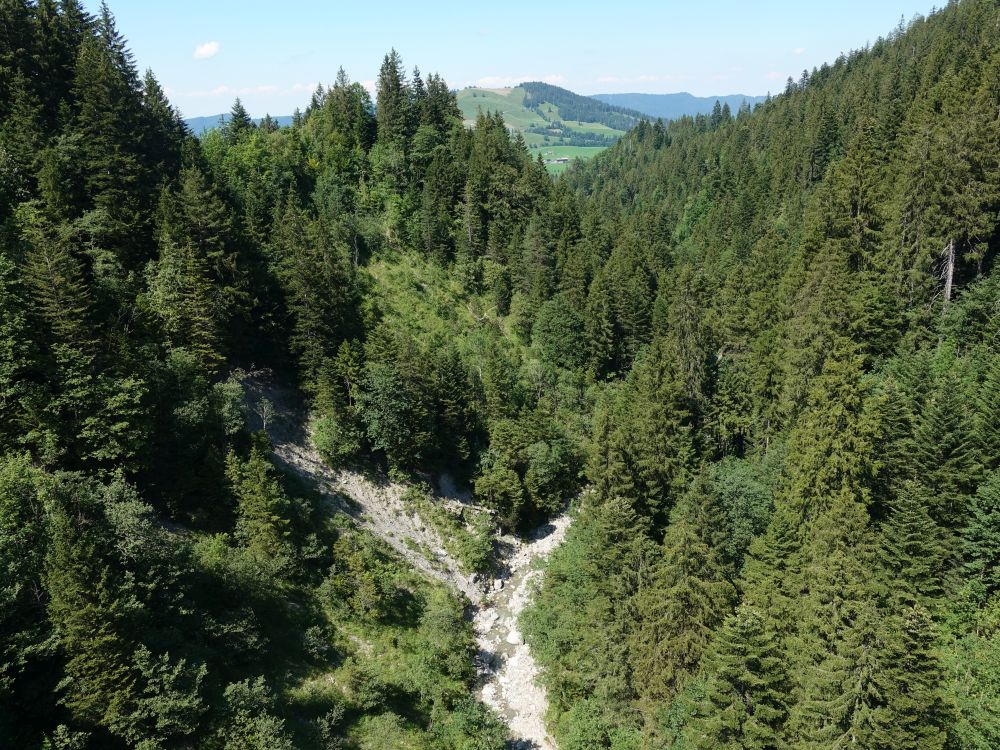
(508, 671)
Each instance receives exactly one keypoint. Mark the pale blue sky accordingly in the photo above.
(272, 54)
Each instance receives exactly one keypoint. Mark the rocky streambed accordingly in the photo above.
(508, 672)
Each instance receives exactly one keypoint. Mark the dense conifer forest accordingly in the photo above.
(757, 355)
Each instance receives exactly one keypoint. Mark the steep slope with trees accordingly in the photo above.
(804, 426)
(768, 341)
(164, 584)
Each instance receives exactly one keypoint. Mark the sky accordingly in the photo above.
(272, 54)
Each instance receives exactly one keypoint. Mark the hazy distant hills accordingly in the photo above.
(556, 124)
(563, 125)
(534, 105)
(672, 106)
(199, 125)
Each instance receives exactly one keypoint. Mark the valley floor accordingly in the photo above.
(510, 686)
(505, 665)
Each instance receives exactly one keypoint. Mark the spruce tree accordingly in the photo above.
(106, 122)
(17, 354)
(943, 454)
(89, 605)
(239, 123)
(745, 701)
(986, 422)
(914, 550)
(182, 292)
(834, 622)
(319, 286)
(772, 569)
(53, 277)
(392, 101)
(678, 612)
(197, 284)
(981, 536)
(831, 446)
(22, 556)
(163, 132)
(911, 712)
(262, 524)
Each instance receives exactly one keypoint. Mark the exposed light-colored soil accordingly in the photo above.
(508, 673)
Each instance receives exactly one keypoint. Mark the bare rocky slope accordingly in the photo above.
(505, 665)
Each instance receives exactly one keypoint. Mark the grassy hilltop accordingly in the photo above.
(555, 123)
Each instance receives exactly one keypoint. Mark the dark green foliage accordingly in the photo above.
(22, 553)
(768, 340)
(262, 508)
(531, 469)
(139, 266)
(745, 702)
(16, 355)
(318, 283)
(914, 550)
(685, 602)
(986, 429)
(579, 108)
(580, 622)
(910, 711)
(393, 112)
(252, 723)
(821, 269)
(943, 452)
(362, 579)
(558, 333)
(981, 538)
(643, 444)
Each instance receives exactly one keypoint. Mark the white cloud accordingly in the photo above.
(608, 79)
(774, 75)
(798, 51)
(206, 50)
(554, 79)
(369, 86)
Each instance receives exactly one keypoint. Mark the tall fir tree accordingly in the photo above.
(745, 701)
(392, 101)
(981, 536)
(909, 711)
(914, 550)
(687, 600)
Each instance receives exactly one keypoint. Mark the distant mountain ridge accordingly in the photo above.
(573, 106)
(672, 106)
(199, 125)
(616, 111)
(558, 124)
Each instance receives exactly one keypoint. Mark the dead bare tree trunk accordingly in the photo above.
(949, 271)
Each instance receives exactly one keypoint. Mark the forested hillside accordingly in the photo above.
(676, 106)
(163, 584)
(792, 539)
(582, 108)
(555, 123)
(759, 354)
